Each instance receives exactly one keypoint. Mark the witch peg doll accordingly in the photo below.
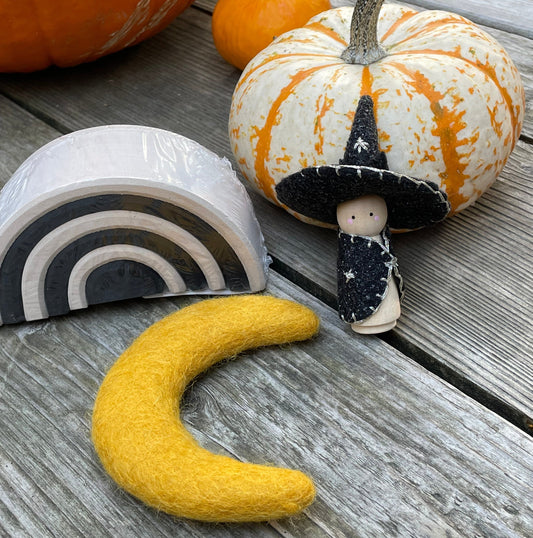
(365, 199)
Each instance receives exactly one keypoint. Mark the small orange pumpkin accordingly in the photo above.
(242, 28)
(449, 102)
(35, 34)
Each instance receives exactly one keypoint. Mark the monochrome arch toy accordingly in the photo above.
(123, 211)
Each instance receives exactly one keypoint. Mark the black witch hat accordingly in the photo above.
(316, 191)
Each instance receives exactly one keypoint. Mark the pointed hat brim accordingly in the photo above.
(315, 192)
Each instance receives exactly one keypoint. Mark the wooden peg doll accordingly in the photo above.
(363, 197)
(367, 273)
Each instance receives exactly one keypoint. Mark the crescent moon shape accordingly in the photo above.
(145, 447)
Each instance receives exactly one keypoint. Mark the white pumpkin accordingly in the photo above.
(449, 102)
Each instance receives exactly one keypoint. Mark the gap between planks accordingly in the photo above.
(508, 412)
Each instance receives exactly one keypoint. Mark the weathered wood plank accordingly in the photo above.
(207, 5)
(449, 268)
(500, 15)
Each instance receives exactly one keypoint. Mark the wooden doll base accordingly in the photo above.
(385, 317)
(373, 329)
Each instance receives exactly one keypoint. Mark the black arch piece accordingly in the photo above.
(56, 282)
(122, 279)
(11, 306)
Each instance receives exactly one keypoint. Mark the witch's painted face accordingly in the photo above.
(366, 215)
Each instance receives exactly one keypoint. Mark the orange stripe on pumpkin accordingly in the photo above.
(367, 82)
(432, 25)
(264, 134)
(276, 58)
(394, 26)
(448, 125)
(490, 72)
(323, 105)
(327, 31)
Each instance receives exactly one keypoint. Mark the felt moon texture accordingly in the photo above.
(142, 443)
(122, 211)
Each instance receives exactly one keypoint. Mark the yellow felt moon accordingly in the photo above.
(136, 427)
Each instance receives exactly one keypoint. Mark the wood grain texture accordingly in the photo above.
(393, 450)
(500, 15)
(448, 269)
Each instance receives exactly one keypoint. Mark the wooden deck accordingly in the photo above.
(425, 431)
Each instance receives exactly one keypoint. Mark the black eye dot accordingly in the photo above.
(371, 214)
(353, 216)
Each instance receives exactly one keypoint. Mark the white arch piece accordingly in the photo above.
(40, 258)
(77, 296)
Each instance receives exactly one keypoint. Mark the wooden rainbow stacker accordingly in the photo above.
(123, 211)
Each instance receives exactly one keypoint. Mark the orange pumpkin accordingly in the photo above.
(242, 28)
(449, 102)
(35, 34)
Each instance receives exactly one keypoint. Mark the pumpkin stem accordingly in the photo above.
(364, 46)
